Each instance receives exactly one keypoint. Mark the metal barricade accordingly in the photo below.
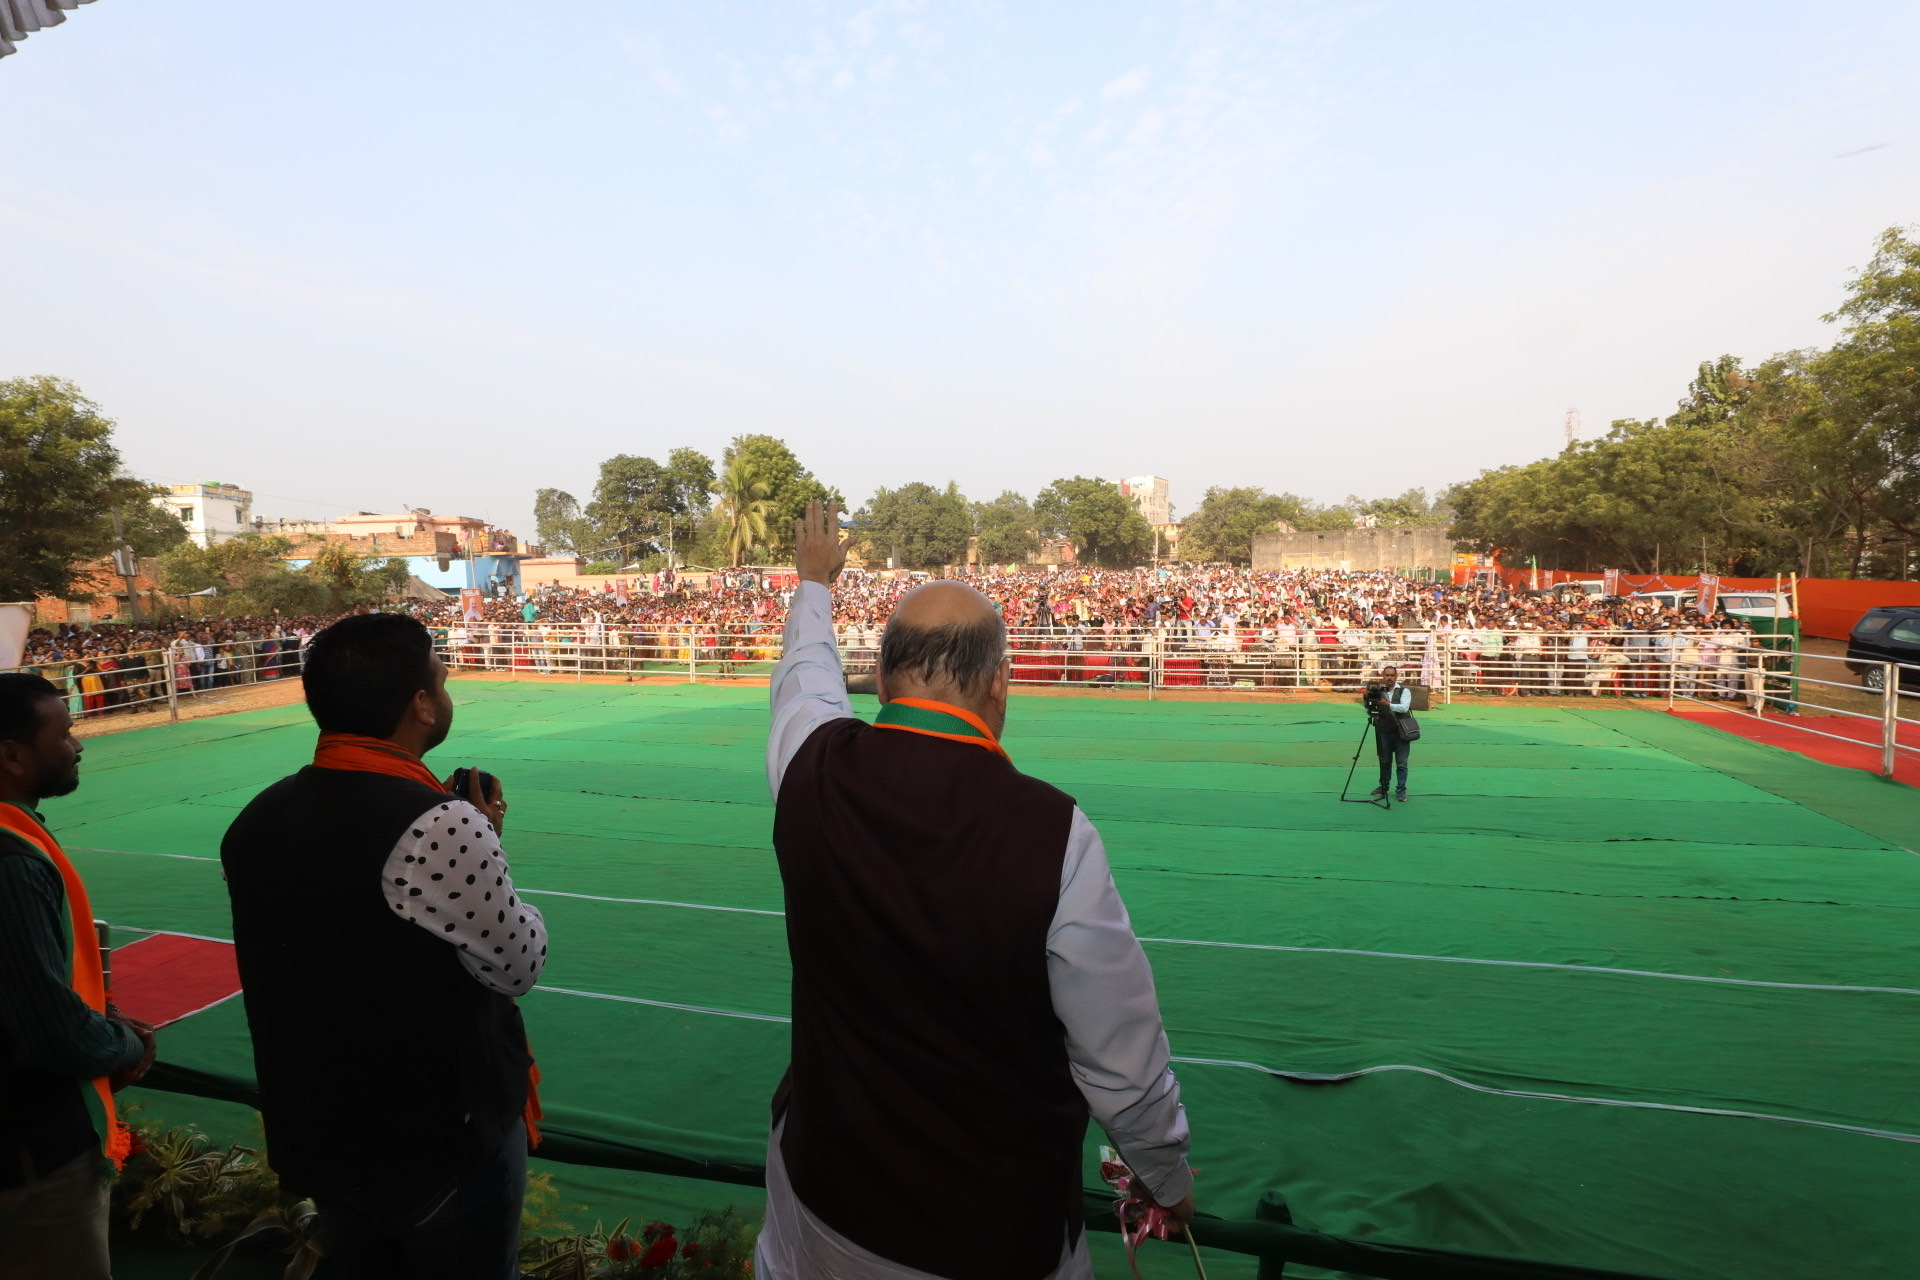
(146, 678)
(1730, 670)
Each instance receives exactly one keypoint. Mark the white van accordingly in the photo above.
(1736, 604)
(1756, 604)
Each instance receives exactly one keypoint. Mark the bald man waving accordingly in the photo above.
(967, 988)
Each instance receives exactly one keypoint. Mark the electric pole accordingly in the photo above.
(123, 564)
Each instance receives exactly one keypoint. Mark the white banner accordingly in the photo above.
(15, 621)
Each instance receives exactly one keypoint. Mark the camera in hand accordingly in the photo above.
(458, 784)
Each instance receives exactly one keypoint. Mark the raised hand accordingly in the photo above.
(819, 552)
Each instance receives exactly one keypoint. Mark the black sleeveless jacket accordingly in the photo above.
(381, 1060)
(928, 1067)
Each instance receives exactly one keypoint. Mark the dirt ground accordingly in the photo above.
(214, 702)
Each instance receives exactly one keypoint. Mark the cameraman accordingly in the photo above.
(389, 1012)
(1386, 700)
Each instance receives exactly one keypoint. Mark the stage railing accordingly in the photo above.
(1783, 687)
(149, 678)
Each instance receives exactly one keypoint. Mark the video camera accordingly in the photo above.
(1374, 698)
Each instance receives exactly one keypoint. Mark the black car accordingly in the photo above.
(1888, 634)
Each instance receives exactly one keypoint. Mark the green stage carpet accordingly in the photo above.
(1615, 990)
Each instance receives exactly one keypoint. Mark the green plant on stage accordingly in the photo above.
(229, 1197)
(541, 1212)
(200, 1192)
(292, 1228)
(206, 1194)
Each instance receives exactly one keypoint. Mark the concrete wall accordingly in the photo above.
(1426, 547)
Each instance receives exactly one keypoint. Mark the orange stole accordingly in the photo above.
(938, 720)
(89, 980)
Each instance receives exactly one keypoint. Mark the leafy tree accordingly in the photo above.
(1808, 460)
(790, 486)
(558, 522)
(632, 502)
(1102, 523)
(1870, 382)
(690, 482)
(59, 481)
(352, 579)
(918, 525)
(1006, 529)
(224, 565)
(1223, 525)
(150, 528)
(252, 573)
(1411, 508)
(745, 509)
(639, 507)
(708, 545)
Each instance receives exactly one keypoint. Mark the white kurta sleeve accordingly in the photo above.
(808, 687)
(1103, 992)
(447, 875)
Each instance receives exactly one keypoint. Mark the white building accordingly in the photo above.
(1149, 494)
(211, 511)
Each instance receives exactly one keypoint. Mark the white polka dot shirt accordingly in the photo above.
(448, 876)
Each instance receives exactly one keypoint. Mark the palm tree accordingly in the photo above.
(744, 507)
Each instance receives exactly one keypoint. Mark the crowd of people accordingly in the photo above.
(106, 667)
(1132, 599)
(1301, 629)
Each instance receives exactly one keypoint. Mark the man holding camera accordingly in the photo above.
(1386, 700)
(382, 945)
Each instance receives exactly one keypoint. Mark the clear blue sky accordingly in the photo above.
(441, 254)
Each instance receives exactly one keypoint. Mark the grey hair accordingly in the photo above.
(963, 653)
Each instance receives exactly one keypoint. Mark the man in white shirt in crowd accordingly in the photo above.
(967, 988)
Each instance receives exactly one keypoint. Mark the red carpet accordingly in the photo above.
(164, 978)
(1782, 732)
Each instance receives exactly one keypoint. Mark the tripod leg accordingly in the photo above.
(1362, 746)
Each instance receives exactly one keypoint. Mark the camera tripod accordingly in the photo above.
(1384, 799)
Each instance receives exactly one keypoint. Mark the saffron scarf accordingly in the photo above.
(939, 720)
(88, 979)
(354, 753)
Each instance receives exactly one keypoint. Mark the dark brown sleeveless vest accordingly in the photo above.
(929, 1071)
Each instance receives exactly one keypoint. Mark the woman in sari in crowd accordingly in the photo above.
(93, 691)
(109, 668)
